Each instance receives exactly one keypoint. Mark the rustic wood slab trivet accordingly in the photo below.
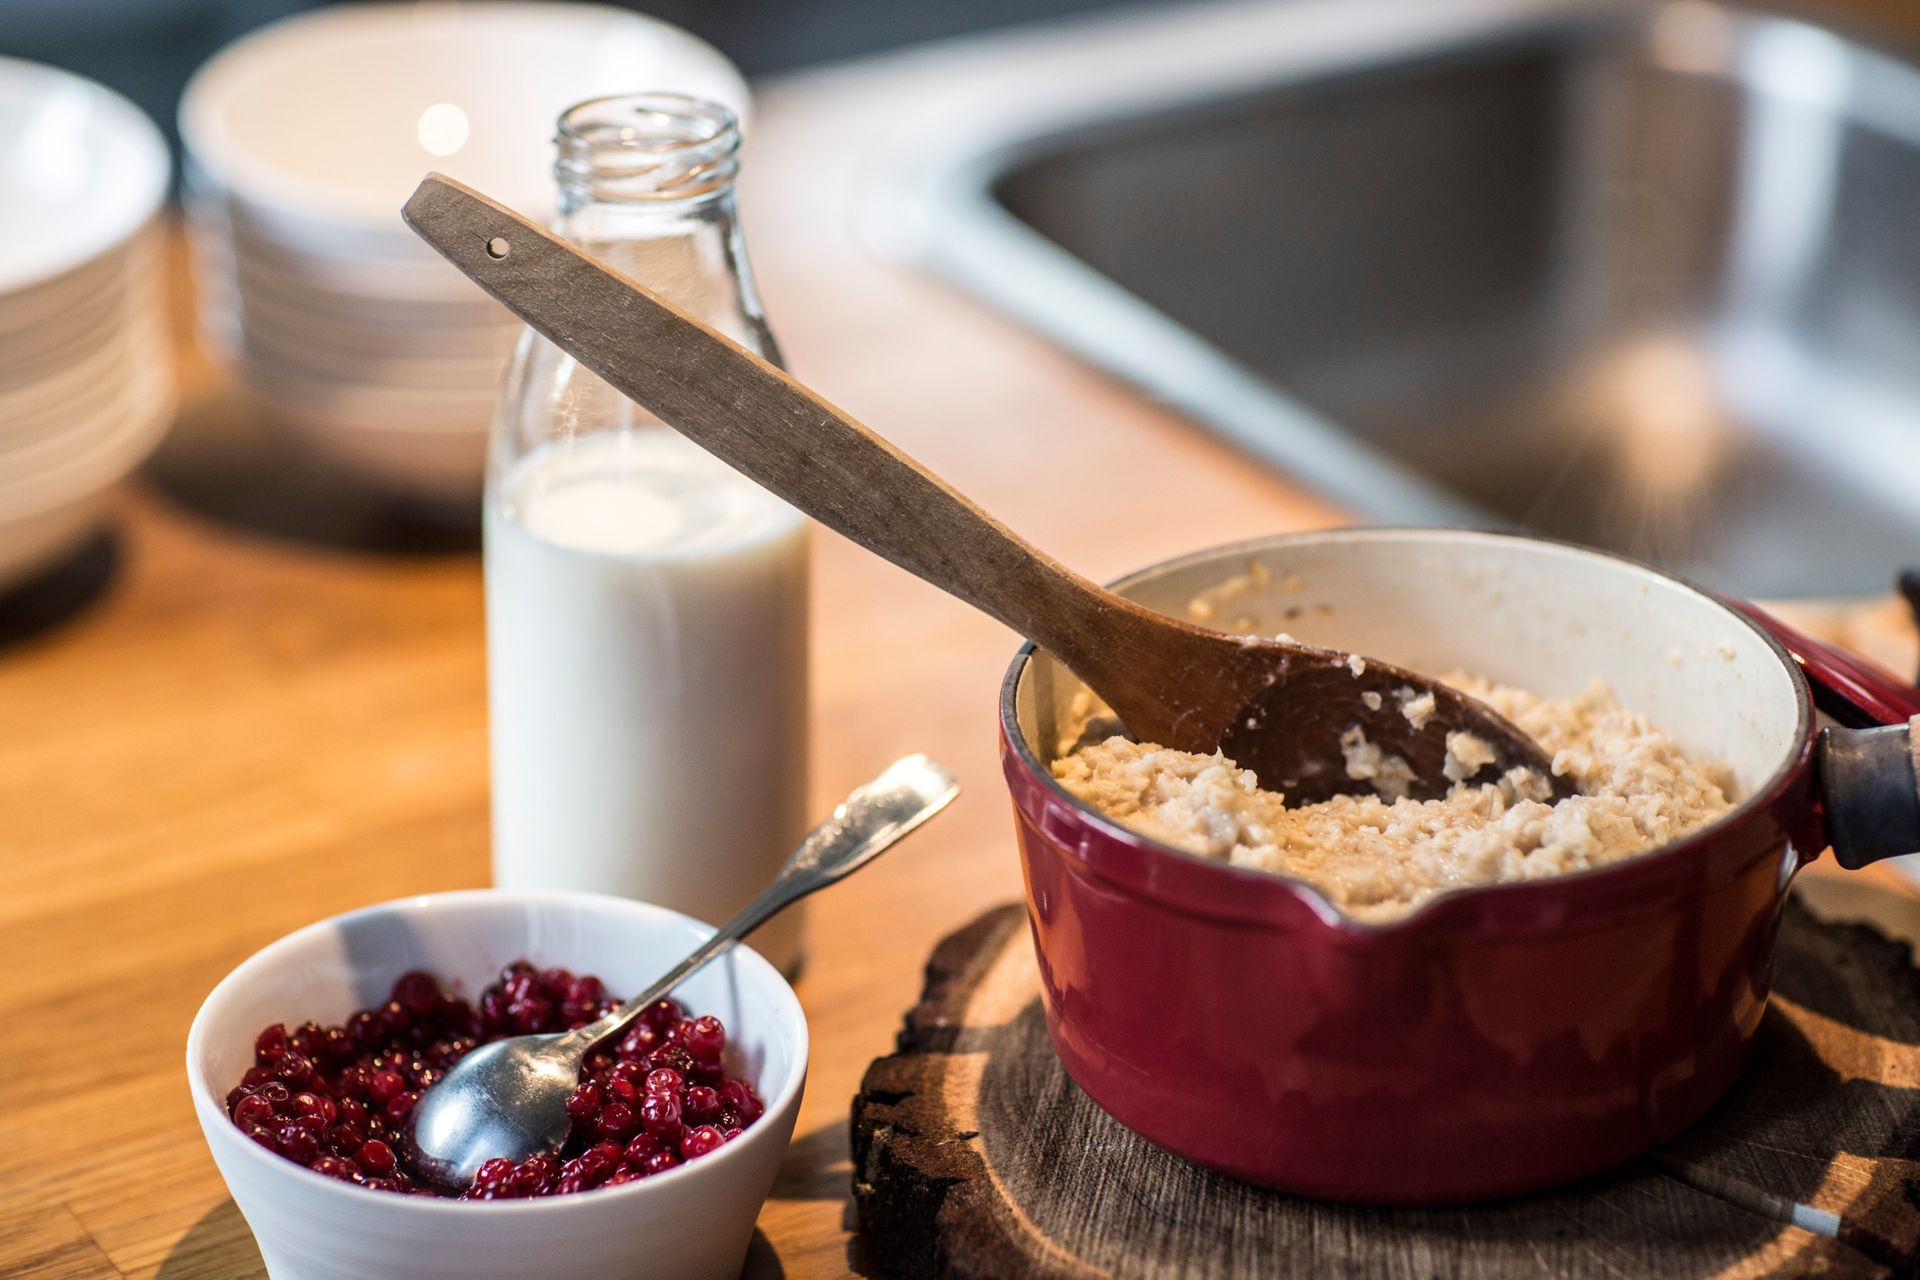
(976, 1157)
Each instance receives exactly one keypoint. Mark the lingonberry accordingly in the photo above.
(660, 1115)
(339, 1099)
(253, 1109)
(315, 1105)
(383, 1085)
(638, 1043)
(585, 1102)
(375, 1157)
(270, 1045)
(310, 1041)
(336, 1167)
(493, 1172)
(740, 1099)
(295, 1143)
(417, 992)
(702, 1105)
(617, 1121)
(661, 1014)
(704, 1038)
(699, 1141)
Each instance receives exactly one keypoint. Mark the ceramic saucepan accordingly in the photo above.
(1500, 1038)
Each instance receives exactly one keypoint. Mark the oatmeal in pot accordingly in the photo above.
(1377, 857)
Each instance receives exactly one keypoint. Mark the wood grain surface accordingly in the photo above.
(977, 1158)
(263, 703)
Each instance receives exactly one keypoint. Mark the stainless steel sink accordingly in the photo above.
(1643, 276)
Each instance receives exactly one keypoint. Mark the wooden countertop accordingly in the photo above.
(245, 733)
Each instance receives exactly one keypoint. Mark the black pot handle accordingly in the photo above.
(1870, 790)
(1867, 768)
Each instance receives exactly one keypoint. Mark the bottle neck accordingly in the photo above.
(646, 185)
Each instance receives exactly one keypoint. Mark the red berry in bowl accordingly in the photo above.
(338, 1099)
(702, 1105)
(661, 1115)
(740, 1098)
(296, 1144)
(662, 1014)
(585, 1102)
(700, 1141)
(384, 1085)
(336, 1167)
(270, 1045)
(704, 1038)
(418, 992)
(617, 1121)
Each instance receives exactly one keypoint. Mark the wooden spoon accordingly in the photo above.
(1279, 709)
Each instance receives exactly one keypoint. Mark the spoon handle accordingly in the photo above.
(767, 426)
(867, 823)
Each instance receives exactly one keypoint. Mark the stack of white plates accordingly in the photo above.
(305, 138)
(86, 368)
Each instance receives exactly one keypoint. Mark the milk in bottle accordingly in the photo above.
(646, 604)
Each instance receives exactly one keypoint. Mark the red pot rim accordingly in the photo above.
(1203, 886)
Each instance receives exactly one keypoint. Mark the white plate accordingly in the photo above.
(81, 171)
(328, 119)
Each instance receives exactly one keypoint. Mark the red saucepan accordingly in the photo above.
(1501, 1038)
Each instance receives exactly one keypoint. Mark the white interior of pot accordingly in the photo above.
(1538, 615)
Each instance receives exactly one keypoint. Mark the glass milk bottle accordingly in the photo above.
(646, 604)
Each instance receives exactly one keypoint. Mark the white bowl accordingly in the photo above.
(104, 446)
(128, 335)
(81, 171)
(437, 464)
(469, 89)
(312, 352)
(689, 1224)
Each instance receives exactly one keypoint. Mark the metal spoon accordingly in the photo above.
(508, 1099)
(1281, 709)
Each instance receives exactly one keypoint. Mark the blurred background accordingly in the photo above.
(147, 48)
(1633, 273)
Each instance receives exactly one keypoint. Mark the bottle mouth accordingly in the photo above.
(647, 147)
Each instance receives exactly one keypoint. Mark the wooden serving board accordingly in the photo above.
(976, 1157)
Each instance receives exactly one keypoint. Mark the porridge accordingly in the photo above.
(1377, 857)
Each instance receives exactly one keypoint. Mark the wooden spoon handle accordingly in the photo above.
(754, 417)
